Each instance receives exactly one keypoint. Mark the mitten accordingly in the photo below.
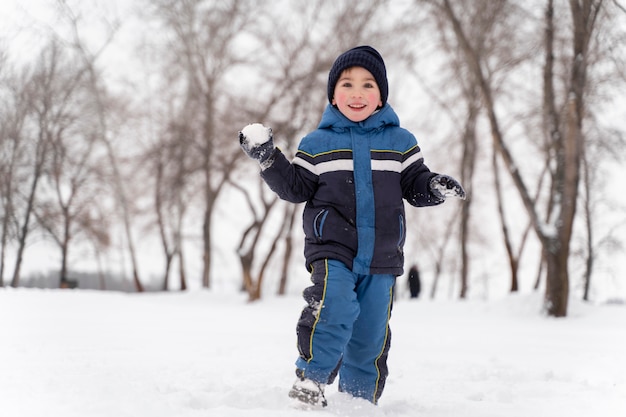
(443, 186)
(257, 141)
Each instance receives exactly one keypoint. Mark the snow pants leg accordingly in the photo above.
(345, 326)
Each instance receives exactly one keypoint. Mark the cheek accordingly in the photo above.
(374, 98)
(339, 97)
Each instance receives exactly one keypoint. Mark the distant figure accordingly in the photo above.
(414, 282)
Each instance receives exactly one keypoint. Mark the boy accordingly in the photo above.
(353, 172)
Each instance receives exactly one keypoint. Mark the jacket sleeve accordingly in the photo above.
(415, 185)
(290, 182)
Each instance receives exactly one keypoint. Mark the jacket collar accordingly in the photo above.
(334, 119)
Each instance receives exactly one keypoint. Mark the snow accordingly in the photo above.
(257, 134)
(203, 353)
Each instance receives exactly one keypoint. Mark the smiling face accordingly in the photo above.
(356, 94)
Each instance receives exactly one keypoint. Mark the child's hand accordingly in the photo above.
(443, 186)
(257, 141)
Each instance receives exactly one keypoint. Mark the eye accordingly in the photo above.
(346, 84)
(368, 85)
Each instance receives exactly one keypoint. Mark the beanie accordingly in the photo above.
(361, 56)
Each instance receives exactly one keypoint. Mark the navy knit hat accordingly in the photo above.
(361, 56)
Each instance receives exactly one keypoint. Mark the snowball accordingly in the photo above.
(256, 134)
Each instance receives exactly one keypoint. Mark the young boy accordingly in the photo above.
(353, 172)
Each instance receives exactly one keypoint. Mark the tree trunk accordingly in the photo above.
(181, 269)
(467, 174)
(206, 242)
(584, 14)
(557, 285)
(37, 169)
(588, 226)
(284, 275)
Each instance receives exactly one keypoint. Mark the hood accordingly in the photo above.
(334, 119)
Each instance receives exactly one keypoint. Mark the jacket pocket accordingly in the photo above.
(402, 233)
(318, 224)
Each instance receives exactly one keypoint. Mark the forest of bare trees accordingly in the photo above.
(516, 99)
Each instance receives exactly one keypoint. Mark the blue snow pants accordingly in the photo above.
(344, 329)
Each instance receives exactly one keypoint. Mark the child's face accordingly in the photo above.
(356, 94)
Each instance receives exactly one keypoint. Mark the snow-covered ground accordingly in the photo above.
(87, 353)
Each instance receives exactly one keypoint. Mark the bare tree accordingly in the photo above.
(203, 52)
(602, 145)
(34, 111)
(51, 115)
(13, 114)
(567, 140)
(249, 242)
(103, 113)
(485, 30)
(71, 169)
(565, 143)
(439, 255)
(67, 215)
(288, 225)
(172, 157)
(43, 95)
(513, 255)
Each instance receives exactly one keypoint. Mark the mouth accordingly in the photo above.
(357, 106)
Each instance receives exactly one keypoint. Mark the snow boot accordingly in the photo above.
(309, 393)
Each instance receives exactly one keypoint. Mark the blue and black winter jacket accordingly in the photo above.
(353, 177)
